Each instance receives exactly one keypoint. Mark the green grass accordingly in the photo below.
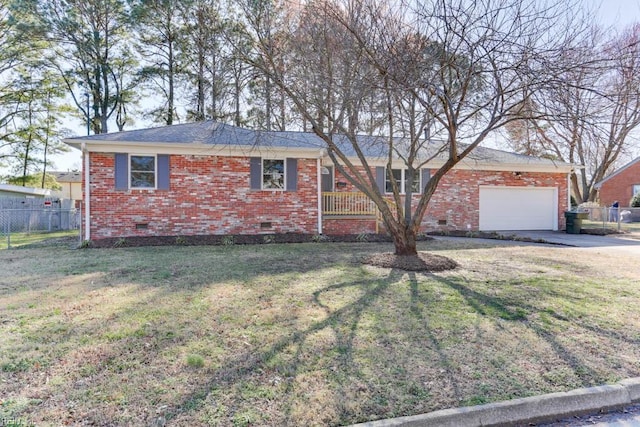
(22, 239)
(304, 334)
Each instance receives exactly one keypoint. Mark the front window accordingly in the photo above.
(636, 189)
(402, 180)
(273, 174)
(397, 175)
(143, 171)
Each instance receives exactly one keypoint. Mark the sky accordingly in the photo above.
(616, 13)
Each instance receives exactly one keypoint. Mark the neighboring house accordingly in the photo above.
(209, 178)
(621, 185)
(71, 183)
(9, 190)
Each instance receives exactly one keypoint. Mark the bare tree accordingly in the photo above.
(87, 39)
(268, 19)
(160, 24)
(456, 70)
(587, 116)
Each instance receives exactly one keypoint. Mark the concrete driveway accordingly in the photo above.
(625, 242)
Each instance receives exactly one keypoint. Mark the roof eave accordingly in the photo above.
(557, 167)
(193, 148)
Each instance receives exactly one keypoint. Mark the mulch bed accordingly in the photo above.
(424, 261)
(240, 239)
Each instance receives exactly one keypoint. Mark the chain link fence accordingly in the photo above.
(622, 219)
(24, 222)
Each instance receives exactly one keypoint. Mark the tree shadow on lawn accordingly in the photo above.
(342, 321)
(578, 368)
(585, 366)
(171, 268)
(287, 356)
(347, 362)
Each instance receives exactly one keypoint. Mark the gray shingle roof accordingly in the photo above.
(71, 176)
(214, 133)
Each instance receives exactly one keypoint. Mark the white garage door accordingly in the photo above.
(518, 208)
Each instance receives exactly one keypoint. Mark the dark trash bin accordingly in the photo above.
(574, 221)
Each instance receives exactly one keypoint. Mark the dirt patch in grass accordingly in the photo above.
(423, 261)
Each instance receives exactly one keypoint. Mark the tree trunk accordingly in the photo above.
(405, 242)
(171, 77)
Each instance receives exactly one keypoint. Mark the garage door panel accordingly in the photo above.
(517, 208)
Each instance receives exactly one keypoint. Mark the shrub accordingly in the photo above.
(362, 237)
(268, 238)
(635, 201)
(120, 242)
(317, 238)
(227, 241)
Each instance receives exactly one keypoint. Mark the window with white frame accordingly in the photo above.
(636, 189)
(402, 179)
(142, 170)
(273, 174)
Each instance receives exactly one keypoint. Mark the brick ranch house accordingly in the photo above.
(209, 178)
(621, 185)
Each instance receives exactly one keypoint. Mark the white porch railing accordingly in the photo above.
(342, 203)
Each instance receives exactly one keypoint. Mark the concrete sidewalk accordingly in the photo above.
(526, 411)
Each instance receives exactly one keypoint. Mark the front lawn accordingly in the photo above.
(304, 334)
(21, 239)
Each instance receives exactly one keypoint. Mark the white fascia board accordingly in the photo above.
(559, 167)
(196, 149)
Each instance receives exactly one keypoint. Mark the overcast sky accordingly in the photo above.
(618, 12)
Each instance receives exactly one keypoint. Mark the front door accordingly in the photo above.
(327, 178)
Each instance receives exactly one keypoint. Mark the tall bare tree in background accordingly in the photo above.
(454, 69)
(89, 47)
(267, 20)
(587, 116)
(159, 25)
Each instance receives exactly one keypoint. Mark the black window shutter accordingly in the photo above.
(426, 176)
(292, 174)
(122, 171)
(380, 178)
(163, 171)
(255, 170)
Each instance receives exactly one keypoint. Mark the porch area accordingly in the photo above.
(350, 213)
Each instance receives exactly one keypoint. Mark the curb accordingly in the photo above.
(525, 411)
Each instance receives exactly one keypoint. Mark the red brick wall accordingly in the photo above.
(456, 201)
(207, 195)
(212, 195)
(620, 186)
(340, 226)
